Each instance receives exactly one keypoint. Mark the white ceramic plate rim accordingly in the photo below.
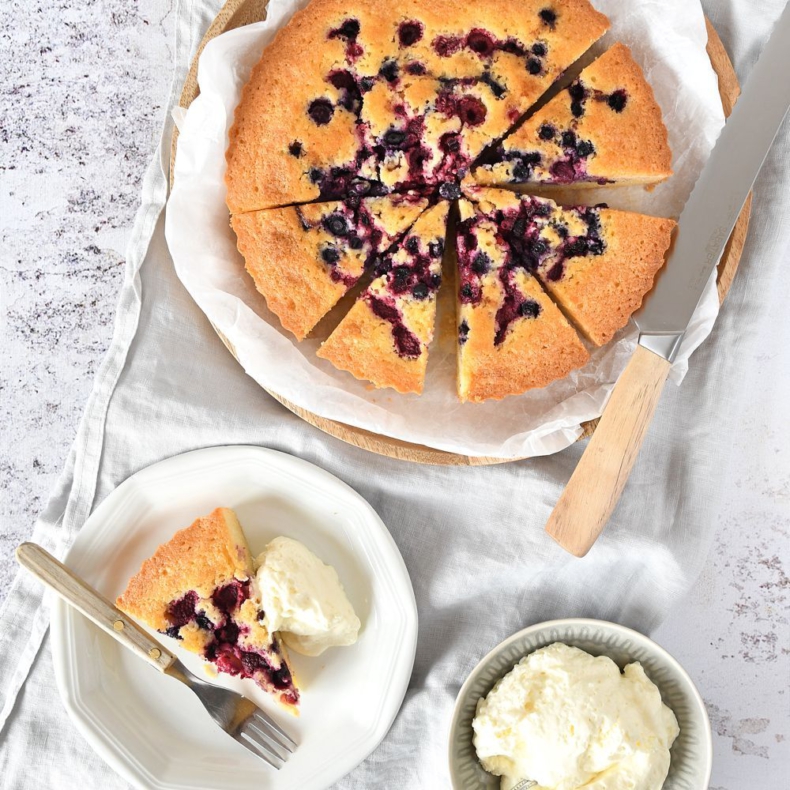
(592, 623)
(65, 654)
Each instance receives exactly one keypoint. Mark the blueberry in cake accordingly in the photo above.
(304, 258)
(373, 97)
(604, 128)
(511, 336)
(384, 338)
(361, 123)
(199, 588)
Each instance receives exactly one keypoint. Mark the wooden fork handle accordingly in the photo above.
(602, 472)
(72, 589)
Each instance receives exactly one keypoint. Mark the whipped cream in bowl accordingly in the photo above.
(579, 704)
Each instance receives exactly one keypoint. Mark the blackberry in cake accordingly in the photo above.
(597, 263)
(304, 258)
(384, 338)
(199, 588)
(377, 97)
(604, 128)
(511, 336)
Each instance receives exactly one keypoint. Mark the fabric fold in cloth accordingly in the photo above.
(472, 538)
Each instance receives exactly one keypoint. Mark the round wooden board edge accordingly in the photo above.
(237, 13)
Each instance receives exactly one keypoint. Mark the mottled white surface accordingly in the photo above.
(82, 86)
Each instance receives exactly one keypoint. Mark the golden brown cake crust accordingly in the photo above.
(620, 122)
(301, 66)
(205, 555)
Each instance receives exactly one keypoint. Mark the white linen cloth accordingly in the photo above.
(472, 539)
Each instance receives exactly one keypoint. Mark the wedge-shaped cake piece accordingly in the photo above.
(304, 258)
(597, 263)
(604, 266)
(605, 128)
(511, 336)
(384, 338)
(338, 105)
(199, 588)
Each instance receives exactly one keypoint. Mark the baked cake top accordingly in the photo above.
(605, 127)
(393, 96)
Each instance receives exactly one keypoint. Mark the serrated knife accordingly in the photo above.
(703, 230)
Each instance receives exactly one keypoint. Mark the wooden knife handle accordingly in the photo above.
(602, 472)
(94, 606)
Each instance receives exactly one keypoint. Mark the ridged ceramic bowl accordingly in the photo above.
(692, 751)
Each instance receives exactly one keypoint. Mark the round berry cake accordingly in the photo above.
(364, 127)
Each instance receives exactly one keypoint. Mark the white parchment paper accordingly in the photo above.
(668, 40)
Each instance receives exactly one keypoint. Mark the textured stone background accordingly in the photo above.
(82, 86)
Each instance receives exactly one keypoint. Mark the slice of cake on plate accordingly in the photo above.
(384, 338)
(597, 263)
(604, 128)
(304, 258)
(511, 336)
(199, 588)
(325, 112)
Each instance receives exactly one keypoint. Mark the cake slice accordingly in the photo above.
(511, 336)
(199, 588)
(604, 128)
(304, 258)
(384, 338)
(597, 263)
(604, 266)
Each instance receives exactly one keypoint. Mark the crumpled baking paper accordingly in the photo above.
(668, 40)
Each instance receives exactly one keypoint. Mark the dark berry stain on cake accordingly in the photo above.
(409, 33)
(320, 111)
(617, 100)
(406, 342)
(224, 648)
(295, 149)
(549, 17)
(349, 32)
(463, 333)
(514, 306)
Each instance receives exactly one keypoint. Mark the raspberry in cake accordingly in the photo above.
(376, 97)
(511, 336)
(199, 588)
(604, 128)
(384, 338)
(304, 258)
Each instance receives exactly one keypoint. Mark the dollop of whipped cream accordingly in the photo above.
(303, 598)
(566, 720)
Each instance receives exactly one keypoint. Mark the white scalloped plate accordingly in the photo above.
(150, 728)
(692, 752)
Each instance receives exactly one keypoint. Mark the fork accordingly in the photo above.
(236, 715)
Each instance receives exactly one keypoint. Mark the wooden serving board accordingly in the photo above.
(236, 13)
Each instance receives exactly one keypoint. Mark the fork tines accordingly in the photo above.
(262, 736)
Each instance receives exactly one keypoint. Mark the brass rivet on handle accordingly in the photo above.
(155, 652)
(118, 625)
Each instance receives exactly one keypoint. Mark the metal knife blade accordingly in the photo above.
(718, 197)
